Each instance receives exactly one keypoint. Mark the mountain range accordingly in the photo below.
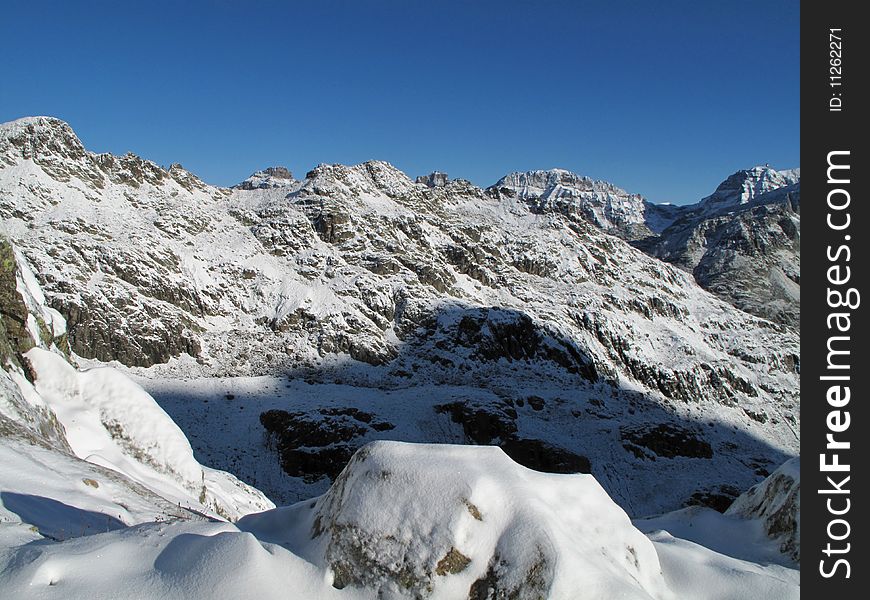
(276, 329)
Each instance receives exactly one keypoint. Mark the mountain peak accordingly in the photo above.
(553, 182)
(372, 177)
(433, 179)
(40, 122)
(270, 177)
(37, 136)
(746, 184)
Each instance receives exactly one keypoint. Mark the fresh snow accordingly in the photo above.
(112, 422)
(389, 523)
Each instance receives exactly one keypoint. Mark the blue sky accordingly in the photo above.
(662, 98)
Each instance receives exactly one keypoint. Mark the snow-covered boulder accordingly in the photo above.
(441, 521)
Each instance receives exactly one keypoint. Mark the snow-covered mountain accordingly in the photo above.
(151, 324)
(742, 242)
(616, 211)
(462, 521)
(748, 185)
(475, 317)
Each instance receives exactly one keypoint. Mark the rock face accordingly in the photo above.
(315, 444)
(603, 204)
(742, 242)
(418, 521)
(433, 180)
(269, 177)
(98, 415)
(357, 274)
(25, 323)
(776, 501)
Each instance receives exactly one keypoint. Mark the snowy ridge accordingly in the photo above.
(112, 422)
(746, 185)
(742, 243)
(601, 203)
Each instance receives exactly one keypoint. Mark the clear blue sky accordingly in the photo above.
(662, 98)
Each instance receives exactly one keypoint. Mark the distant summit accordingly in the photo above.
(747, 184)
(434, 179)
(267, 178)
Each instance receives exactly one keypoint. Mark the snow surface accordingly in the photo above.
(410, 504)
(413, 504)
(572, 418)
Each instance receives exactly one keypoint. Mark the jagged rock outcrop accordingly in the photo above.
(433, 179)
(603, 204)
(25, 323)
(742, 242)
(269, 177)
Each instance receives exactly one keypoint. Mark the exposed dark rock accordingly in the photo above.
(494, 333)
(776, 502)
(535, 583)
(495, 424)
(314, 445)
(482, 424)
(14, 337)
(668, 440)
(433, 180)
(719, 498)
(133, 336)
(453, 562)
(536, 402)
(545, 457)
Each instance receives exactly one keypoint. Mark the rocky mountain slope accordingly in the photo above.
(742, 242)
(460, 314)
(93, 503)
(92, 435)
(603, 204)
(776, 502)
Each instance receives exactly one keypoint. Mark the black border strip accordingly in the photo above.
(834, 117)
